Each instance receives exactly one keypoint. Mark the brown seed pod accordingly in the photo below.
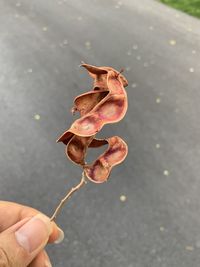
(106, 103)
(99, 74)
(100, 169)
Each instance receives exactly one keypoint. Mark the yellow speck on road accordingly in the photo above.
(122, 198)
(37, 117)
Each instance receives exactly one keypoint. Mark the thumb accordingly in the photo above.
(20, 243)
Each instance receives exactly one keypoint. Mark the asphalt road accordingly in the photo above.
(41, 46)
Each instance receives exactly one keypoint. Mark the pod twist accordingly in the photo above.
(105, 103)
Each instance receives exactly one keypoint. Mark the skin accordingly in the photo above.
(12, 213)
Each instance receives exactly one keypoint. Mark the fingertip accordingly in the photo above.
(57, 234)
(60, 236)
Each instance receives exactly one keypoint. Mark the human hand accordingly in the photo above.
(24, 232)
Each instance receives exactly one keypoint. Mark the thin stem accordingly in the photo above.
(71, 192)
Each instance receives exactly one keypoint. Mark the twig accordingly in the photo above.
(62, 202)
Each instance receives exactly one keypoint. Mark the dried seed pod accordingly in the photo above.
(100, 169)
(86, 102)
(99, 74)
(106, 103)
(110, 109)
(77, 147)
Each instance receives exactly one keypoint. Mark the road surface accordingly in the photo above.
(41, 45)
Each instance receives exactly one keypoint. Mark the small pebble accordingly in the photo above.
(162, 228)
(117, 6)
(128, 68)
(88, 45)
(158, 100)
(29, 70)
(166, 172)
(151, 28)
(157, 146)
(138, 57)
(36, 117)
(123, 198)
(79, 18)
(134, 85)
(191, 70)
(18, 4)
(172, 42)
(189, 248)
(44, 29)
(193, 51)
(146, 64)
(129, 53)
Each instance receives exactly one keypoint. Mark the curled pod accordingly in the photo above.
(100, 169)
(106, 103)
(99, 74)
(110, 109)
(84, 103)
(77, 148)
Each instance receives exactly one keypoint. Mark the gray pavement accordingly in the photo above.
(41, 46)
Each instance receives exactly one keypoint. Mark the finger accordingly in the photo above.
(22, 242)
(11, 213)
(41, 260)
(57, 235)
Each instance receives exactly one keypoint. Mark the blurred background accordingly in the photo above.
(148, 213)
